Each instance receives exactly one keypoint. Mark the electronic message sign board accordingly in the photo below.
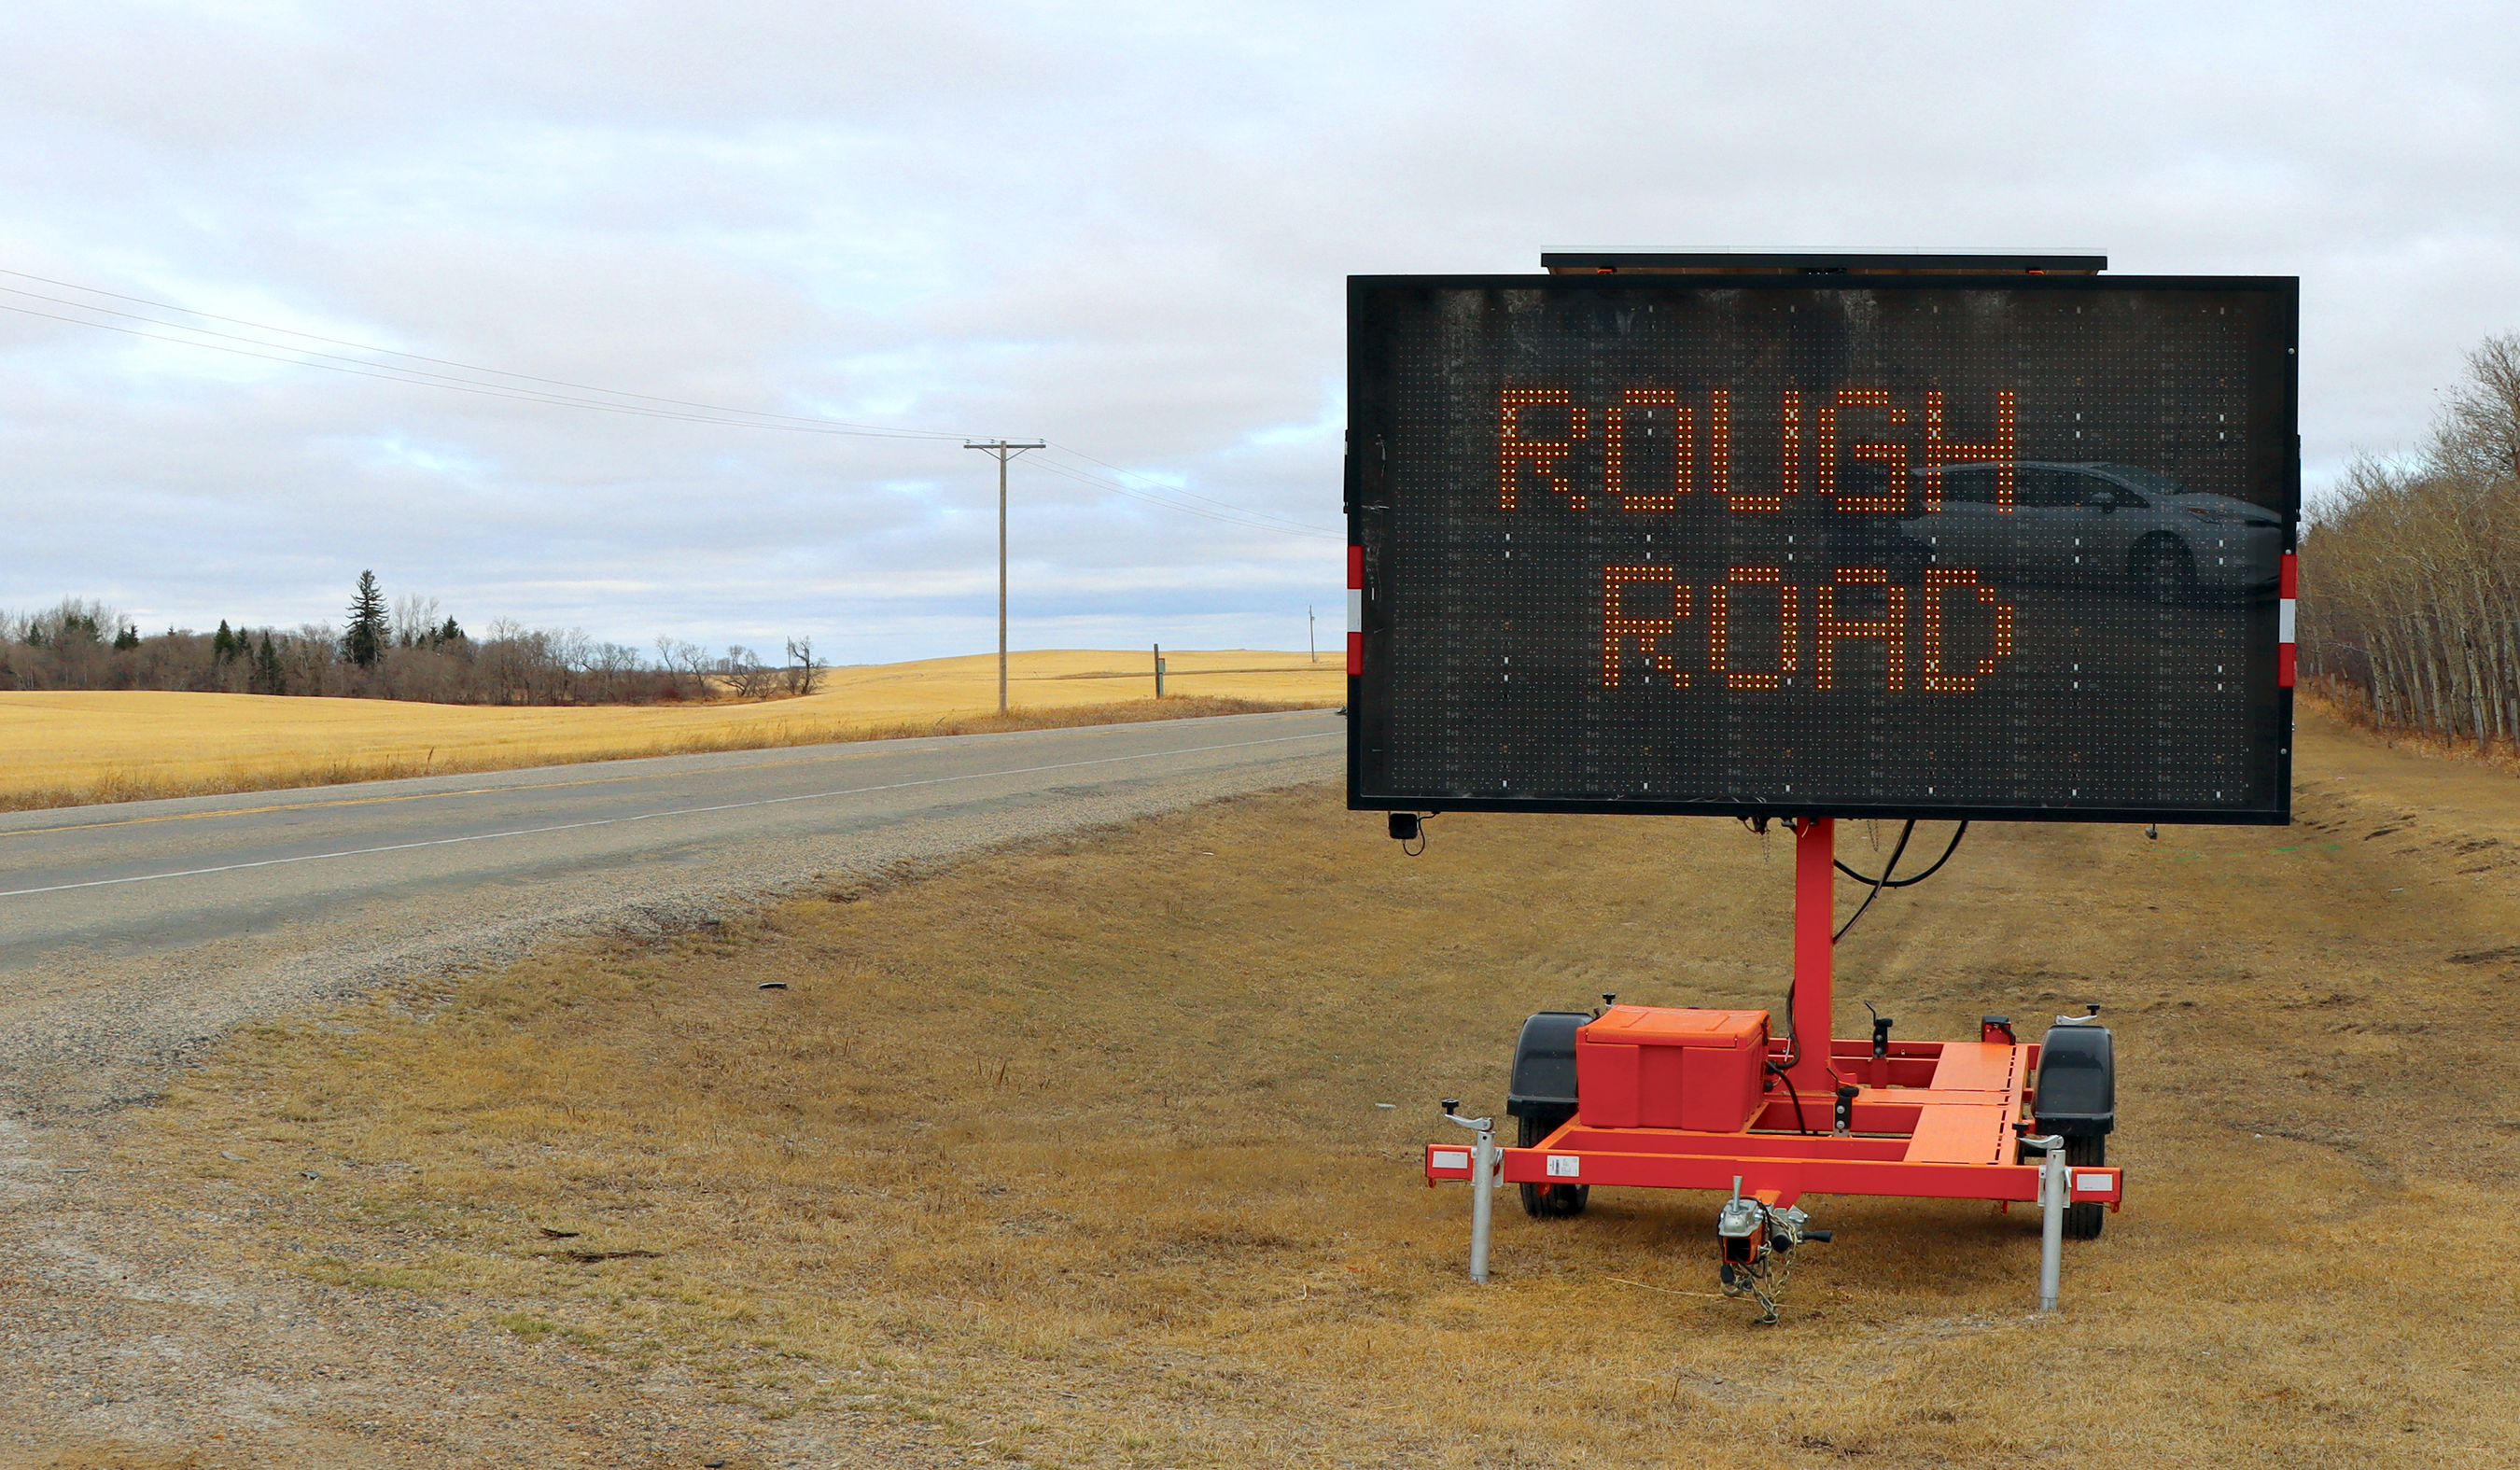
(1895, 546)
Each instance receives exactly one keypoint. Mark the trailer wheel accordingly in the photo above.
(1548, 1201)
(2083, 1222)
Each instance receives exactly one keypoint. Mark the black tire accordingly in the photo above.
(1548, 1201)
(2083, 1222)
(2162, 572)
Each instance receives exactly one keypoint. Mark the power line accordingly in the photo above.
(1193, 495)
(672, 409)
(387, 374)
(833, 424)
(1234, 519)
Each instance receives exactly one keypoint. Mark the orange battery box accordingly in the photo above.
(1651, 1066)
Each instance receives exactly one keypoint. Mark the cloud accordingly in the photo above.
(1123, 228)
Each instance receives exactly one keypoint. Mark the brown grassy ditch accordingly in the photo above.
(2349, 706)
(1074, 1154)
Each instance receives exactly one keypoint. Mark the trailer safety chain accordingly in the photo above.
(1755, 1249)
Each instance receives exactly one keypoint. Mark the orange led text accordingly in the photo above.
(1545, 444)
(1897, 622)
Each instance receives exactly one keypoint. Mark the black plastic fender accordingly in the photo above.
(2078, 1083)
(1544, 1067)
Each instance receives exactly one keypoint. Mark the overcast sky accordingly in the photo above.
(1120, 228)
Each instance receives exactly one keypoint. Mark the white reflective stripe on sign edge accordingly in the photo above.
(1562, 1166)
(2284, 620)
(1451, 1158)
(1355, 610)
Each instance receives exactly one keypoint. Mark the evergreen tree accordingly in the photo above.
(365, 642)
(267, 667)
(450, 634)
(126, 640)
(223, 645)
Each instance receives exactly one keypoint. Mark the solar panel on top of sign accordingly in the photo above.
(1828, 546)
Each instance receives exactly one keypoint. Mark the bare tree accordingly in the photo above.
(416, 618)
(2477, 436)
(802, 670)
(2411, 573)
(686, 666)
(746, 676)
(678, 657)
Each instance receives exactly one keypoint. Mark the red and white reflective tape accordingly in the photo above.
(1356, 612)
(2283, 621)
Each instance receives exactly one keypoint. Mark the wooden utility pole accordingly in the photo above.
(1004, 452)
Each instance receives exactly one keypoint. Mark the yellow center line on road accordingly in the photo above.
(730, 806)
(860, 751)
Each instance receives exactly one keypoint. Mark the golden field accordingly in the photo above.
(74, 749)
(1076, 1155)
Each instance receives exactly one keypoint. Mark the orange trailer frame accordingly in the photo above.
(1926, 1119)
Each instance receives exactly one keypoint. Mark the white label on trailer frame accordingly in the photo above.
(1560, 1166)
(1451, 1158)
(2096, 1184)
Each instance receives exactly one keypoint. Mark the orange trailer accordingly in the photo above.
(1686, 1098)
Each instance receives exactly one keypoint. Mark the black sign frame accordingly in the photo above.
(2261, 737)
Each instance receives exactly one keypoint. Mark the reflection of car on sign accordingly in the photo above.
(2098, 523)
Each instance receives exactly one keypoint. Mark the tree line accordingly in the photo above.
(2410, 569)
(408, 649)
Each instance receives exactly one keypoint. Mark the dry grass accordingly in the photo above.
(1073, 1153)
(2348, 706)
(78, 748)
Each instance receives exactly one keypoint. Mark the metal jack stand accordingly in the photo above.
(2055, 1191)
(1486, 1178)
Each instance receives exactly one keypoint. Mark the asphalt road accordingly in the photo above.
(131, 935)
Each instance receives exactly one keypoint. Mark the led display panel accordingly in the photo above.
(1943, 547)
